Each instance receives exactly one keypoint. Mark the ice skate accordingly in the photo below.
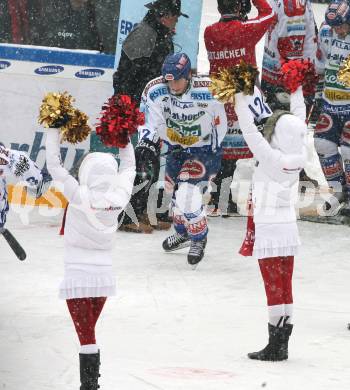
(196, 252)
(176, 241)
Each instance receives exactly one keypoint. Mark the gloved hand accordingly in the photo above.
(146, 153)
(60, 121)
(36, 191)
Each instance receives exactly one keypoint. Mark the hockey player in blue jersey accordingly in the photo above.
(181, 112)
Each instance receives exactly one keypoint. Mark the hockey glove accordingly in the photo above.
(36, 191)
(146, 152)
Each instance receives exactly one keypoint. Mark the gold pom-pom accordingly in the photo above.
(223, 86)
(57, 111)
(227, 82)
(344, 72)
(77, 129)
(55, 108)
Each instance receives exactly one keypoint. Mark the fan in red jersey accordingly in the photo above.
(234, 37)
(229, 41)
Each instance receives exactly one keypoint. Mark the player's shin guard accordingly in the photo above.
(189, 203)
(179, 223)
(197, 229)
(330, 160)
(345, 151)
(332, 167)
(180, 238)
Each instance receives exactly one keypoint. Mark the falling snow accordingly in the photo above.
(171, 328)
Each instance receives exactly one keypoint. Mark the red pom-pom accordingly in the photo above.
(120, 119)
(299, 72)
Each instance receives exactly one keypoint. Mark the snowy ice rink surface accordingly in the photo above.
(171, 328)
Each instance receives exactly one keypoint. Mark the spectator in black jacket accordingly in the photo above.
(146, 47)
(142, 57)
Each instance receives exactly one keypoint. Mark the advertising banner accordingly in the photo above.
(28, 71)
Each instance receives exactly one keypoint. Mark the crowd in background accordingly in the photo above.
(68, 24)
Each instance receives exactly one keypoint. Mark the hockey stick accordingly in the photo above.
(14, 244)
(310, 113)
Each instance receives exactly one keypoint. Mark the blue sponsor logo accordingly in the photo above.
(89, 73)
(126, 26)
(201, 96)
(4, 64)
(325, 31)
(158, 92)
(49, 69)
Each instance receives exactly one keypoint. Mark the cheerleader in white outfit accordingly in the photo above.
(280, 154)
(103, 191)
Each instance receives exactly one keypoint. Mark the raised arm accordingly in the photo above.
(57, 171)
(262, 150)
(266, 18)
(126, 176)
(297, 104)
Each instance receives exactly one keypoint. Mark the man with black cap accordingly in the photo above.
(142, 57)
(145, 48)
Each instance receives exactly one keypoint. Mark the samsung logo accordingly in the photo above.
(89, 73)
(4, 64)
(49, 69)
